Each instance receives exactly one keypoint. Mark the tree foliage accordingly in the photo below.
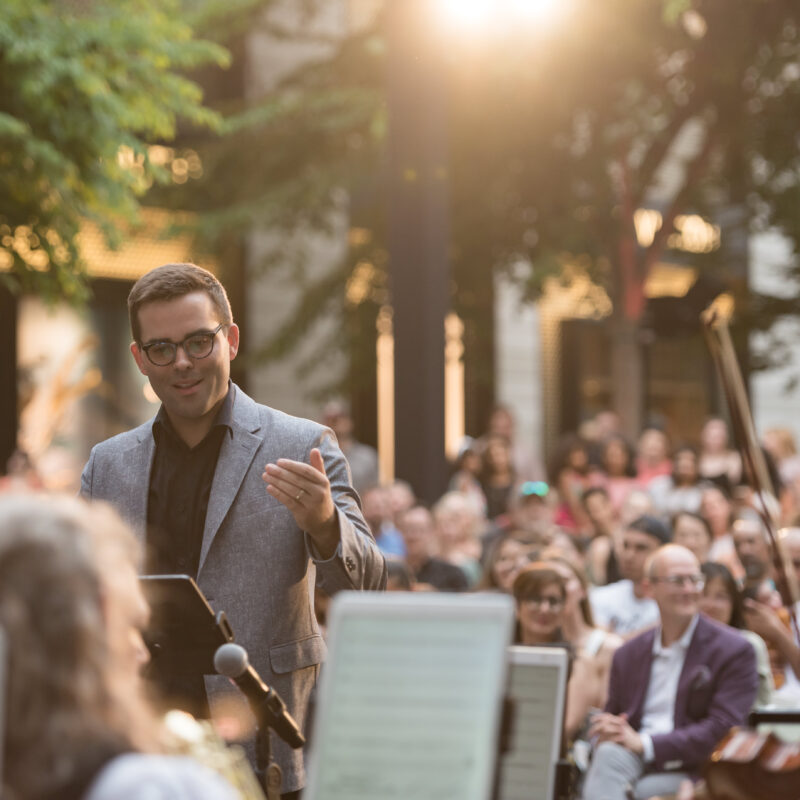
(84, 89)
(555, 139)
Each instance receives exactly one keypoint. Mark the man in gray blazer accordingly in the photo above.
(255, 504)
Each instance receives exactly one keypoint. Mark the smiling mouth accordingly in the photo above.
(186, 386)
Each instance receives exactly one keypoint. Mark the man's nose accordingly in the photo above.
(181, 359)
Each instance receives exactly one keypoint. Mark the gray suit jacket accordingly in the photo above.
(255, 564)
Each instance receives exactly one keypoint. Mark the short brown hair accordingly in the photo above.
(533, 578)
(171, 281)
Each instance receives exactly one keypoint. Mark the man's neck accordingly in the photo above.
(638, 590)
(672, 630)
(192, 432)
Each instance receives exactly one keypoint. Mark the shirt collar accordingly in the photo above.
(224, 418)
(683, 643)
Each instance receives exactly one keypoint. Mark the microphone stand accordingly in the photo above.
(269, 710)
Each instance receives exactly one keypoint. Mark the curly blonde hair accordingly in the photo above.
(64, 694)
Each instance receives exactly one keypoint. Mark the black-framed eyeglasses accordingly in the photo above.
(198, 345)
(692, 581)
(553, 603)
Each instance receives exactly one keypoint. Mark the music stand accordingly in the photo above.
(183, 634)
(537, 691)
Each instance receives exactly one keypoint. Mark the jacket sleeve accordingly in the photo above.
(86, 477)
(357, 562)
(735, 686)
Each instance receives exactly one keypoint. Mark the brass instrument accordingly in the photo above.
(190, 737)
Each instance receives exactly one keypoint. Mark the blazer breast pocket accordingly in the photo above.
(288, 657)
(699, 693)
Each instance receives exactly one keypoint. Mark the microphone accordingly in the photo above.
(231, 661)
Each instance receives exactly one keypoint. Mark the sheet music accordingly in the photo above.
(537, 685)
(411, 703)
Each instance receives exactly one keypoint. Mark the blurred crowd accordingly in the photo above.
(572, 544)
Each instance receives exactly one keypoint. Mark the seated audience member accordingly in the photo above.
(531, 510)
(683, 489)
(401, 498)
(571, 475)
(692, 531)
(717, 509)
(378, 514)
(777, 505)
(362, 458)
(466, 477)
(505, 558)
(674, 691)
(530, 516)
(637, 504)
(430, 571)
(592, 647)
(781, 445)
(497, 475)
(718, 463)
(625, 607)
(72, 611)
(619, 468)
(601, 560)
(753, 551)
(526, 463)
(774, 627)
(540, 595)
(458, 522)
(652, 455)
(399, 577)
(722, 600)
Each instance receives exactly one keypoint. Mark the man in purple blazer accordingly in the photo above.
(674, 691)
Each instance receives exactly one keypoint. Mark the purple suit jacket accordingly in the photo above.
(716, 691)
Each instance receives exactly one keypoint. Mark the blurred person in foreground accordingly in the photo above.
(674, 692)
(255, 504)
(625, 607)
(72, 613)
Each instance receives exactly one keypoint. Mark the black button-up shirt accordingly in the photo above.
(180, 485)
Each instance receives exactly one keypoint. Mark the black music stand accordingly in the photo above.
(183, 634)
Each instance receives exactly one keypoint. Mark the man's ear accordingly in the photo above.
(233, 340)
(138, 357)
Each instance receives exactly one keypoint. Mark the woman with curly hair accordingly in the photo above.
(72, 612)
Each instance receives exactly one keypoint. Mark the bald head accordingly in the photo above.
(661, 562)
(675, 582)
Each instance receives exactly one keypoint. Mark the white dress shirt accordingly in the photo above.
(658, 715)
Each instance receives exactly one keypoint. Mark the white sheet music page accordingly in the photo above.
(410, 697)
(537, 689)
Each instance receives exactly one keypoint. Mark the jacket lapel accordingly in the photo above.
(138, 461)
(690, 672)
(235, 456)
(642, 676)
